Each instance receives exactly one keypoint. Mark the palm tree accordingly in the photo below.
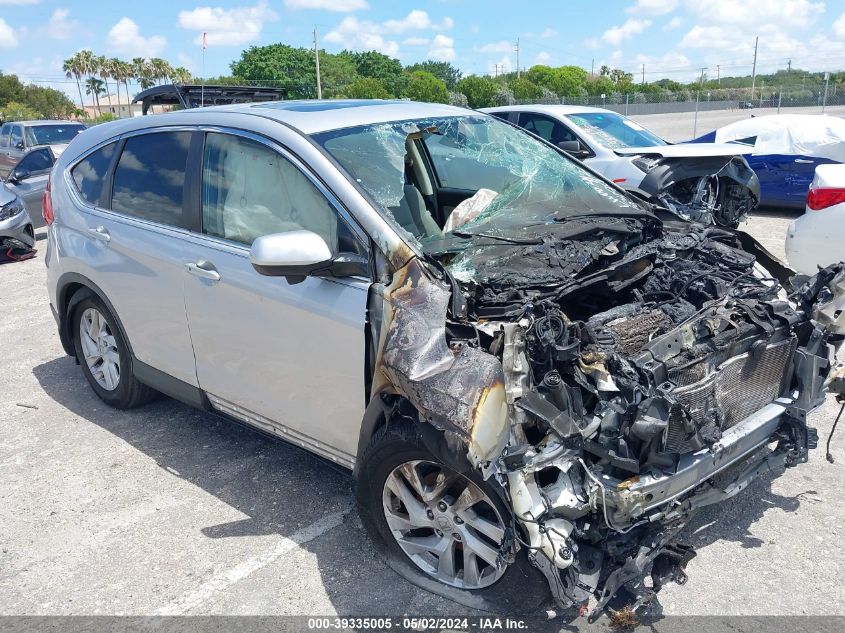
(104, 70)
(160, 69)
(88, 66)
(94, 87)
(181, 75)
(124, 71)
(72, 68)
(137, 64)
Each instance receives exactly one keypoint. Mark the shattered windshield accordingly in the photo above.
(615, 131)
(457, 176)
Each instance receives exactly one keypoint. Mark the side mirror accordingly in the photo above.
(574, 148)
(19, 145)
(291, 254)
(21, 173)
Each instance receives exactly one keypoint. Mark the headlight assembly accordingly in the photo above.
(645, 163)
(11, 209)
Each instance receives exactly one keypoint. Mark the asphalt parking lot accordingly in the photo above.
(168, 510)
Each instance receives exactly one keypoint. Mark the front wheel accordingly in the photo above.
(440, 529)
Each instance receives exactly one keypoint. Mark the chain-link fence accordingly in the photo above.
(666, 101)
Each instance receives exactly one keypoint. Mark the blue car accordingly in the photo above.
(784, 151)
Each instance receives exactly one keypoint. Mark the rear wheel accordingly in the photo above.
(104, 356)
(441, 529)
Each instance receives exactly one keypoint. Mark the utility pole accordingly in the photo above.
(826, 82)
(495, 70)
(718, 74)
(517, 59)
(643, 73)
(754, 68)
(701, 80)
(788, 66)
(593, 69)
(317, 59)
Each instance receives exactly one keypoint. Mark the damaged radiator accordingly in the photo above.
(737, 388)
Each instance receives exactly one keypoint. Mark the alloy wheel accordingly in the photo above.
(445, 524)
(100, 349)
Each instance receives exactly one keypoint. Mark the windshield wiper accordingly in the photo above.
(498, 238)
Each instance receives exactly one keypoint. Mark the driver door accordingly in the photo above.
(286, 356)
(35, 168)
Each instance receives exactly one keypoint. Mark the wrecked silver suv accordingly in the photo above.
(536, 379)
(564, 378)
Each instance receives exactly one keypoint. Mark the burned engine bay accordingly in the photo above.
(613, 374)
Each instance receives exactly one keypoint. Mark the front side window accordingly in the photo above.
(546, 128)
(52, 134)
(88, 174)
(17, 136)
(36, 161)
(149, 179)
(249, 190)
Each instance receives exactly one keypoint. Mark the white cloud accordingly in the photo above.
(618, 34)
(228, 27)
(18, 3)
(125, 38)
(358, 34)
(61, 26)
(186, 61)
(341, 6)
(674, 23)
(543, 58)
(545, 34)
(7, 35)
(416, 20)
(442, 48)
(839, 26)
(496, 47)
(416, 41)
(653, 7)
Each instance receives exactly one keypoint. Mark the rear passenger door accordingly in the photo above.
(284, 356)
(134, 228)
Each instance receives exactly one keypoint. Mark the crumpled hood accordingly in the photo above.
(686, 150)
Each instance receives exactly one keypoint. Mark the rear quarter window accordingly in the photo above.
(88, 174)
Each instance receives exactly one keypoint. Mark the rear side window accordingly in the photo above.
(89, 173)
(150, 177)
(4, 135)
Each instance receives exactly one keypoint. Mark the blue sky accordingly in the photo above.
(672, 38)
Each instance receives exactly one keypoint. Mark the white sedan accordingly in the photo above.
(705, 182)
(817, 238)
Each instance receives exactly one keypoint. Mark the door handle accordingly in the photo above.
(804, 161)
(204, 270)
(100, 233)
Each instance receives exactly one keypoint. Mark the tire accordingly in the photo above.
(519, 588)
(119, 389)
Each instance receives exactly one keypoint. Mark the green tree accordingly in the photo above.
(566, 81)
(15, 111)
(285, 66)
(367, 88)
(480, 91)
(49, 103)
(524, 90)
(336, 73)
(444, 71)
(379, 66)
(94, 87)
(423, 86)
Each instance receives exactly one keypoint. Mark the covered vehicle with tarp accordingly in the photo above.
(784, 151)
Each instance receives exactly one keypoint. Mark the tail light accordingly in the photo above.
(824, 197)
(47, 204)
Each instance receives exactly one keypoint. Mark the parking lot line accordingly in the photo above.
(220, 582)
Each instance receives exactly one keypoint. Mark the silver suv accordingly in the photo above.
(536, 378)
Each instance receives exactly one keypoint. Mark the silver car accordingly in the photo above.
(18, 137)
(535, 381)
